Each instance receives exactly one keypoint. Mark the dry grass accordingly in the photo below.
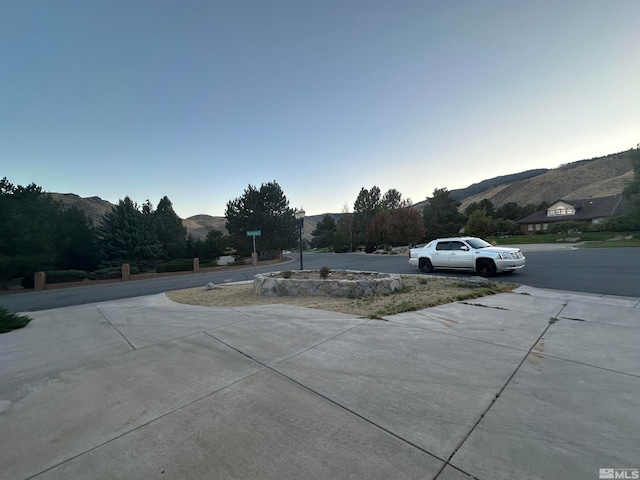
(418, 292)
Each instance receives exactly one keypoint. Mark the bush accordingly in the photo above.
(177, 265)
(275, 255)
(568, 227)
(325, 271)
(110, 273)
(208, 264)
(370, 248)
(287, 274)
(56, 276)
(10, 321)
(616, 223)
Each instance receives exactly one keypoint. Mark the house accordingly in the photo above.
(592, 210)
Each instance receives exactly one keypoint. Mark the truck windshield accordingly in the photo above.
(477, 243)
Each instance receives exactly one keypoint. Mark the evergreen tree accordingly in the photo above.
(509, 211)
(324, 232)
(441, 215)
(76, 247)
(169, 229)
(392, 199)
(631, 193)
(214, 245)
(365, 208)
(36, 233)
(27, 230)
(126, 235)
(265, 209)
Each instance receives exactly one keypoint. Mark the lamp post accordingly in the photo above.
(300, 221)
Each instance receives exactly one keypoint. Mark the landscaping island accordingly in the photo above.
(416, 292)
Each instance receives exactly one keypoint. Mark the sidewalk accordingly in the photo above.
(534, 384)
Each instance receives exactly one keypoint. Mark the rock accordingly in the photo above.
(475, 282)
(211, 286)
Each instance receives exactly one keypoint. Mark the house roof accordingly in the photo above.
(586, 209)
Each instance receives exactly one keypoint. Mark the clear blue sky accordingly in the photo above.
(198, 99)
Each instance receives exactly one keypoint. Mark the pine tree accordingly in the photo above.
(265, 209)
(324, 232)
(441, 216)
(169, 229)
(631, 192)
(126, 235)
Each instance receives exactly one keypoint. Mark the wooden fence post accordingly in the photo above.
(126, 272)
(39, 280)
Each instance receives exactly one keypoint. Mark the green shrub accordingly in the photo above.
(325, 271)
(208, 264)
(10, 321)
(287, 274)
(274, 255)
(568, 227)
(177, 265)
(56, 276)
(111, 273)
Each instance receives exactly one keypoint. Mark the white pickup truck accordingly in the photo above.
(466, 253)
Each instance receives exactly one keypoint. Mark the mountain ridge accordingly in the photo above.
(592, 178)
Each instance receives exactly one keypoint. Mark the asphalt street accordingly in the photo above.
(601, 271)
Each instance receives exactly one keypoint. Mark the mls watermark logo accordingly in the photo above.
(620, 473)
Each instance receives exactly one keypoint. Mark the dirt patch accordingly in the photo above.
(418, 292)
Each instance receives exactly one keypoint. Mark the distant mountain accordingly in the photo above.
(597, 177)
(93, 207)
(200, 225)
(478, 188)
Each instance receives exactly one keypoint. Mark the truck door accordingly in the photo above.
(441, 254)
(461, 255)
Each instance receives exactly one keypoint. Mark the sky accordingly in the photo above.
(197, 100)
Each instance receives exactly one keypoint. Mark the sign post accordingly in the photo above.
(254, 255)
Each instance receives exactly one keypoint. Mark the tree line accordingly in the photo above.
(382, 221)
(38, 233)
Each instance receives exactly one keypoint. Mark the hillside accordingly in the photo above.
(478, 188)
(597, 177)
(93, 207)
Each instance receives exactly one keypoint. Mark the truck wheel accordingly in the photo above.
(486, 268)
(425, 265)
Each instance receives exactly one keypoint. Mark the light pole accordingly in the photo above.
(300, 221)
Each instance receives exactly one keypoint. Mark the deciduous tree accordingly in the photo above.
(379, 230)
(479, 224)
(406, 226)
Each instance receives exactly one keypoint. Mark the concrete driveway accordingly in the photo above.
(535, 384)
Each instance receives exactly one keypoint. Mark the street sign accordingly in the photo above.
(254, 233)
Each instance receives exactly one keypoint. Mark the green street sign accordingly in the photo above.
(254, 233)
